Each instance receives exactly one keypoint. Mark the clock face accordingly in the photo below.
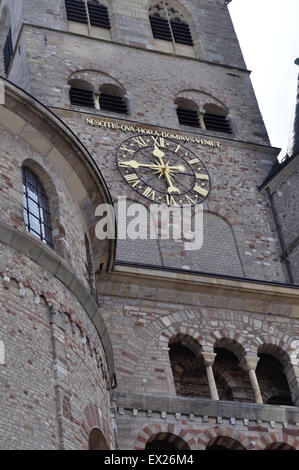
(163, 171)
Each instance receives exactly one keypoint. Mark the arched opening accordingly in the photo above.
(189, 372)
(169, 25)
(5, 39)
(81, 93)
(233, 383)
(215, 119)
(112, 98)
(187, 112)
(166, 441)
(279, 446)
(96, 440)
(96, 13)
(272, 379)
(224, 443)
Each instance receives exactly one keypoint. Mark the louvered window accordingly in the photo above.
(113, 103)
(81, 97)
(36, 208)
(217, 123)
(168, 23)
(98, 15)
(160, 28)
(76, 11)
(188, 117)
(181, 32)
(7, 51)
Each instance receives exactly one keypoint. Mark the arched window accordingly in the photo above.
(272, 380)
(91, 12)
(111, 98)
(97, 441)
(36, 208)
(215, 119)
(81, 94)
(6, 39)
(224, 443)
(187, 112)
(189, 372)
(166, 441)
(168, 23)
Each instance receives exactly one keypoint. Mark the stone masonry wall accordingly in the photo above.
(55, 366)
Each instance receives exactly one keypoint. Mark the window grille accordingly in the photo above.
(95, 13)
(217, 123)
(36, 208)
(168, 23)
(188, 117)
(181, 32)
(76, 11)
(98, 14)
(81, 97)
(7, 51)
(113, 103)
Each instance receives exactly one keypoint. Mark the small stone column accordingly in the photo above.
(249, 364)
(209, 358)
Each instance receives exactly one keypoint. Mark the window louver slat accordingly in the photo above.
(113, 103)
(7, 51)
(217, 123)
(160, 28)
(80, 97)
(188, 117)
(181, 33)
(76, 11)
(98, 15)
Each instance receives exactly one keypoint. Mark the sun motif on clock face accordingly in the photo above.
(163, 171)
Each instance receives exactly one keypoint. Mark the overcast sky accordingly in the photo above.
(268, 32)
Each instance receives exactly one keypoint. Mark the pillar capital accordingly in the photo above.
(208, 358)
(249, 363)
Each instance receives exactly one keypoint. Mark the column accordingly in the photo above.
(209, 358)
(249, 364)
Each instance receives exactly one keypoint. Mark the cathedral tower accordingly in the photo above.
(139, 342)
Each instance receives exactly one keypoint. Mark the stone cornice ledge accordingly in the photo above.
(206, 408)
(45, 257)
(183, 279)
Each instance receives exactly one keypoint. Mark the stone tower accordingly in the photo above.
(138, 343)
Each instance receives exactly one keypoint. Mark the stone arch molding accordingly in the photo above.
(93, 419)
(227, 432)
(95, 78)
(153, 429)
(200, 98)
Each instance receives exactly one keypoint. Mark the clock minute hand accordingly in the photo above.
(159, 154)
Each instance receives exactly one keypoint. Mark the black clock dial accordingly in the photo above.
(163, 171)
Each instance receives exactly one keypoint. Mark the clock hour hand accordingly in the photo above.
(171, 187)
(135, 165)
(159, 154)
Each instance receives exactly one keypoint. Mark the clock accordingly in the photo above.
(163, 171)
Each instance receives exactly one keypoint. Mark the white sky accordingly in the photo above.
(268, 32)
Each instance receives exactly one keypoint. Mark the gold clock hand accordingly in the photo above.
(171, 187)
(134, 164)
(159, 154)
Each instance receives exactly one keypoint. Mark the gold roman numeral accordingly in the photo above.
(201, 177)
(200, 190)
(160, 142)
(191, 202)
(125, 149)
(170, 200)
(140, 141)
(132, 179)
(195, 160)
(150, 193)
(177, 149)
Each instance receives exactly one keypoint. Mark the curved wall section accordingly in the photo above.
(56, 362)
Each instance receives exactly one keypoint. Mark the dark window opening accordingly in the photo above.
(98, 14)
(217, 123)
(109, 102)
(188, 117)
(181, 32)
(160, 28)
(81, 97)
(7, 51)
(76, 11)
(36, 208)
(157, 445)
